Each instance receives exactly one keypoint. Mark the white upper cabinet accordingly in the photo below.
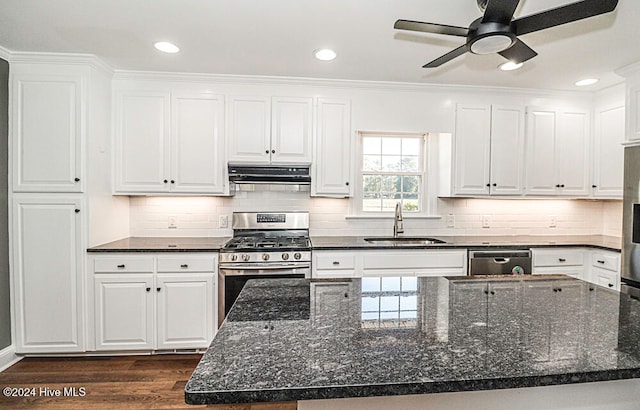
(332, 149)
(608, 152)
(169, 143)
(263, 130)
(48, 123)
(489, 150)
(557, 152)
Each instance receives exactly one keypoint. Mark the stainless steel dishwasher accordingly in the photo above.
(500, 262)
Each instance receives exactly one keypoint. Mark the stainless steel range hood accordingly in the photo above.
(269, 174)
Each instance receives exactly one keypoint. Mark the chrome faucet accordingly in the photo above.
(397, 221)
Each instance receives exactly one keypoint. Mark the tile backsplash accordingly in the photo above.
(200, 216)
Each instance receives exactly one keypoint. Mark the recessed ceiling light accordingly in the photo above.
(166, 47)
(510, 65)
(586, 81)
(325, 54)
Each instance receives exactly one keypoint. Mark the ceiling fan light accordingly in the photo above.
(586, 81)
(166, 47)
(325, 54)
(491, 44)
(510, 65)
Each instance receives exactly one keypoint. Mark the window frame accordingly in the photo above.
(426, 202)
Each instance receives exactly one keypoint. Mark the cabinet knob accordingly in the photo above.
(557, 185)
(346, 295)
(599, 261)
(173, 181)
(561, 185)
(158, 289)
(165, 181)
(336, 263)
(494, 184)
(76, 210)
(120, 266)
(148, 289)
(562, 260)
(493, 292)
(347, 183)
(611, 285)
(488, 184)
(184, 266)
(273, 151)
(266, 151)
(76, 179)
(594, 186)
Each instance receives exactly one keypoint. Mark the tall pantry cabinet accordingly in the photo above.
(51, 109)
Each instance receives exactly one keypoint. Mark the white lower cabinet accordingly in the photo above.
(47, 267)
(385, 262)
(597, 266)
(171, 306)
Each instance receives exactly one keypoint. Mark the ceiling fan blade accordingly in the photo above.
(431, 28)
(500, 11)
(457, 52)
(562, 15)
(519, 52)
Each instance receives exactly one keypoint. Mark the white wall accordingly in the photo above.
(199, 216)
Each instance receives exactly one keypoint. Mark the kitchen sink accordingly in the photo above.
(403, 240)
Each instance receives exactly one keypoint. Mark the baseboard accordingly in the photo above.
(8, 358)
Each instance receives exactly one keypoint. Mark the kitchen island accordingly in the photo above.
(313, 341)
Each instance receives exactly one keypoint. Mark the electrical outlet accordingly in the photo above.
(223, 221)
(451, 221)
(486, 221)
(173, 221)
(553, 221)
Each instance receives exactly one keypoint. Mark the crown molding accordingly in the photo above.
(331, 83)
(5, 54)
(629, 70)
(60, 58)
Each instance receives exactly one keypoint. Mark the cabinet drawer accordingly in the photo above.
(123, 264)
(334, 261)
(558, 258)
(186, 264)
(606, 261)
(605, 278)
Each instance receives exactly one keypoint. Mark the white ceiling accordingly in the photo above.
(277, 38)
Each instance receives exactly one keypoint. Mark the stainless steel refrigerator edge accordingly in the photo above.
(631, 250)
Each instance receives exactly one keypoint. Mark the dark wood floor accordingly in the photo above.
(122, 382)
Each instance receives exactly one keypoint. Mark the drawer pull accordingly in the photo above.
(184, 266)
(336, 263)
(158, 289)
(562, 260)
(611, 285)
(120, 266)
(599, 261)
(148, 289)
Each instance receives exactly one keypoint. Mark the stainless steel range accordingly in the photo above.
(264, 245)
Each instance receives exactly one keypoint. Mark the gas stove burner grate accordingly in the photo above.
(255, 242)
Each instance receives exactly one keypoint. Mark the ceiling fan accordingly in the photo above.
(496, 32)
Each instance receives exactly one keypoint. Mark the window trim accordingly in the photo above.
(427, 200)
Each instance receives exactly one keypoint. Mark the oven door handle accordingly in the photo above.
(264, 266)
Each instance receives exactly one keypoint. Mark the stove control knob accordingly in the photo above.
(265, 256)
(245, 257)
(285, 256)
(234, 257)
(297, 255)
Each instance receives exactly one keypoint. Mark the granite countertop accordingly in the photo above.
(611, 243)
(300, 339)
(162, 244)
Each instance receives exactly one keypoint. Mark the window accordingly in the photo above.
(389, 302)
(392, 171)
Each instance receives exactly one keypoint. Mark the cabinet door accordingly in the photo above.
(248, 130)
(507, 150)
(605, 278)
(572, 161)
(332, 153)
(291, 130)
(608, 152)
(124, 312)
(472, 149)
(185, 310)
(48, 130)
(541, 152)
(142, 142)
(48, 279)
(197, 146)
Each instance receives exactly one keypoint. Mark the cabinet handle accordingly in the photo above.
(148, 289)
(561, 185)
(600, 261)
(173, 181)
(594, 186)
(486, 292)
(76, 210)
(76, 179)
(120, 266)
(562, 260)
(273, 151)
(557, 185)
(494, 184)
(488, 184)
(184, 266)
(336, 263)
(158, 289)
